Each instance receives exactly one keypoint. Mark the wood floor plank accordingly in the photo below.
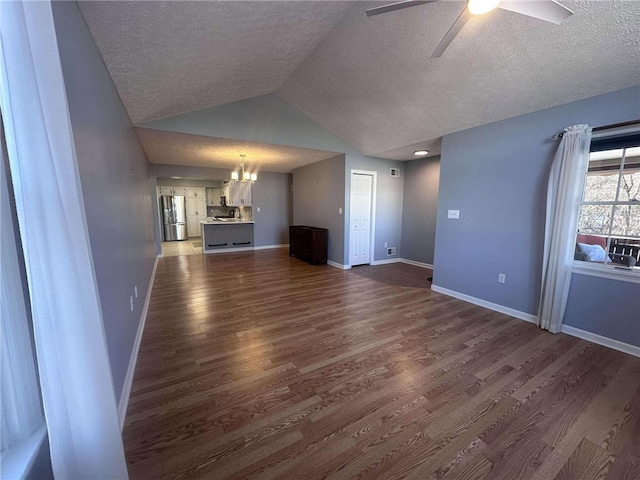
(256, 365)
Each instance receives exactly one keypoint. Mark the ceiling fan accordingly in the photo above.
(547, 10)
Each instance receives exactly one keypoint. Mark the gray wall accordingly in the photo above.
(270, 119)
(271, 193)
(115, 182)
(496, 176)
(421, 178)
(318, 191)
(388, 204)
(605, 307)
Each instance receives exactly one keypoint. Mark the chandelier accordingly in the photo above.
(246, 176)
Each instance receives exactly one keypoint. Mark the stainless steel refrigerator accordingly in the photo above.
(174, 210)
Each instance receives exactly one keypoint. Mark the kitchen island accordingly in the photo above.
(229, 235)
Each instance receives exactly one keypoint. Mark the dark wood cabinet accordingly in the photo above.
(308, 243)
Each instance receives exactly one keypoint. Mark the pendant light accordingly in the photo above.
(246, 176)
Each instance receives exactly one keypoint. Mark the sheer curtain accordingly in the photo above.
(564, 192)
(75, 377)
(21, 416)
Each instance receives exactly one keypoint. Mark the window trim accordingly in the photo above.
(596, 269)
(19, 459)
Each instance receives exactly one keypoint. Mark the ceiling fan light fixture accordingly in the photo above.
(420, 153)
(480, 7)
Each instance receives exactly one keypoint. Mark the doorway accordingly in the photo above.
(362, 217)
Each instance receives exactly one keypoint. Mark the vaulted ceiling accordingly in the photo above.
(370, 81)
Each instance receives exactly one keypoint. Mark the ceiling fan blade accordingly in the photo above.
(547, 10)
(395, 6)
(453, 31)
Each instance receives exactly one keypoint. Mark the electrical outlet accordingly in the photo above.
(455, 214)
(257, 209)
(131, 302)
(385, 245)
(502, 278)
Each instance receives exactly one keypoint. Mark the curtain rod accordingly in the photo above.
(604, 127)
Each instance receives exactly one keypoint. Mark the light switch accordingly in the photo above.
(257, 209)
(340, 210)
(454, 214)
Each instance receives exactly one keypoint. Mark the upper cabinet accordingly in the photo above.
(213, 197)
(195, 192)
(238, 194)
(172, 190)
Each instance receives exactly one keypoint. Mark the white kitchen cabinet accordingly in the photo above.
(238, 194)
(172, 190)
(195, 192)
(196, 212)
(213, 196)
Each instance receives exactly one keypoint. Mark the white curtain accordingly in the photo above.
(77, 388)
(564, 194)
(20, 409)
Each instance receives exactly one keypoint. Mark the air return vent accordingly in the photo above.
(395, 172)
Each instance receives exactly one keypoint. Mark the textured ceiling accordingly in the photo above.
(369, 80)
(373, 83)
(173, 148)
(174, 57)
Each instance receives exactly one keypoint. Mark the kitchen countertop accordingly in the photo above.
(224, 222)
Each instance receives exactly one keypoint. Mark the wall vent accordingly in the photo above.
(391, 251)
(395, 172)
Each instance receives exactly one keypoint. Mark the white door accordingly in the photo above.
(360, 225)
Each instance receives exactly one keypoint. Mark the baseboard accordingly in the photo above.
(527, 317)
(414, 263)
(385, 262)
(402, 260)
(338, 265)
(600, 340)
(128, 380)
(266, 247)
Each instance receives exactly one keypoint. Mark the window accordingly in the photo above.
(609, 222)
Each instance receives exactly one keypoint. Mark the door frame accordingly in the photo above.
(372, 232)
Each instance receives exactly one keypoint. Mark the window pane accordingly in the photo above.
(602, 176)
(626, 221)
(601, 187)
(630, 185)
(595, 219)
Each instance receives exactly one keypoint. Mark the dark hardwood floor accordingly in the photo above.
(257, 365)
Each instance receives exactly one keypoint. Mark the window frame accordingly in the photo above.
(603, 270)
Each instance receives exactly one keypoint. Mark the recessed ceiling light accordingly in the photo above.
(478, 7)
(421, 152)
